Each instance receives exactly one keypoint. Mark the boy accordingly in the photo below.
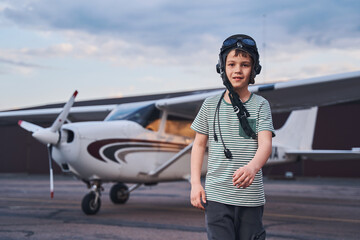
(239, 136)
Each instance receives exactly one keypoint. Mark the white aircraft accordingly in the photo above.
(149, 142)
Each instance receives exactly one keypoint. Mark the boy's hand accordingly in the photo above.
(197, 195)
(244, 176)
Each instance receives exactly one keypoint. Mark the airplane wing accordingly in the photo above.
(321, 91)
(187, 106)
(327, 154)
(282, 96)
(49, 114)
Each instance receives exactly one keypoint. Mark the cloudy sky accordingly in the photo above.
(115, 48)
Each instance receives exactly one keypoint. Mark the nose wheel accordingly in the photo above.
(91, 203)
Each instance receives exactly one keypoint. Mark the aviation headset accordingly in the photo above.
(242, 42)
(246, 44)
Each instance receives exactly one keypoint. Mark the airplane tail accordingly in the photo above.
(298, 131)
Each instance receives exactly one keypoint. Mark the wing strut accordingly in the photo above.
(169, 162)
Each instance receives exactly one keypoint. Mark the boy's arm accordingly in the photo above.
(244, 176)
(197, 157)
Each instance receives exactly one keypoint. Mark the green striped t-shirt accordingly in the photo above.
(218, 184)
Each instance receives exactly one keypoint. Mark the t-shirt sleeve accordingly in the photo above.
(200, 123)
(265, 118)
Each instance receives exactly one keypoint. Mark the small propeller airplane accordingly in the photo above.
(148, 142)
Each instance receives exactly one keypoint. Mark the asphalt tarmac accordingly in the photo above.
(301, 209)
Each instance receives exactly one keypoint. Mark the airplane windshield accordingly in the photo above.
(141, 113)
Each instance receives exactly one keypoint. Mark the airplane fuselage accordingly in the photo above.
(120, 151)
(124, 151)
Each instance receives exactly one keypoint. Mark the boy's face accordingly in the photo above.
(238, 69)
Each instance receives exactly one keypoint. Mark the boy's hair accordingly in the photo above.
(243, 53)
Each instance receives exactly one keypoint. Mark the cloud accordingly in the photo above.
(57, 50)
(14, 62)
(20, 64)
(117, 51)
(171, 33)
(173, 24)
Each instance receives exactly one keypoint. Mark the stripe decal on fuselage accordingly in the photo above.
(94, 148)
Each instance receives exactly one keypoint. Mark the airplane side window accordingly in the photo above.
(146, 116)
(122, 113)
(179, 126)
(143, 115)
(154, 125)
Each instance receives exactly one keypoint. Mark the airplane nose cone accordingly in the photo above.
(46, 136)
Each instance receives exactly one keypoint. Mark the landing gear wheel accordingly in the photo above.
(119, 193)
(91, 204)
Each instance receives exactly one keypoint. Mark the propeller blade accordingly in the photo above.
(49, 146)
(63, 115)
(29, 126)
(44, 135)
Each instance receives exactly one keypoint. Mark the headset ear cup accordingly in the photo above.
(252, 77)
(258, 69)
(218, 68)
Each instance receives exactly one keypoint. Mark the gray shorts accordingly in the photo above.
(234, 222)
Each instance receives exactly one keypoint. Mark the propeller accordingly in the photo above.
(49, 147)
(51, 135)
